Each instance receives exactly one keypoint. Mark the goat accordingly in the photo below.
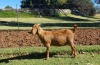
(55, 37)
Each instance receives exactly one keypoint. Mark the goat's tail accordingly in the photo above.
(75, 28)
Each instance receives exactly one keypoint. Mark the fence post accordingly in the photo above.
(17, 16)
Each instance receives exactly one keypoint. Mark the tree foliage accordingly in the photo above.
(57, 3)
(8, 7)
(81, 7)
(84, 7)
(45, 3)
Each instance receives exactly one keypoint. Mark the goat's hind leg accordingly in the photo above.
(72, 45)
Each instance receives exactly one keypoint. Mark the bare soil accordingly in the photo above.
(18, 38)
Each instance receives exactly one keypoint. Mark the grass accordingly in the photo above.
(28, 17)
(8, 14)
(86, 55)
(97, 16)
(33, 20)
(14, 14)
(31, 17)
(26, 20)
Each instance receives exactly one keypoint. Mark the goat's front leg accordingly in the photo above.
(47, 51)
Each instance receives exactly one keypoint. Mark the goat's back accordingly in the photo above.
(61, 37)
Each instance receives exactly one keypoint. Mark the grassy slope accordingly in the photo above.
(32, 17)
(97, 16)
(60, 56)
(14, 14)
(28, 18)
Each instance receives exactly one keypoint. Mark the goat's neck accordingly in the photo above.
(40, 31)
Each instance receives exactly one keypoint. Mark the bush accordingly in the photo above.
(82, 7)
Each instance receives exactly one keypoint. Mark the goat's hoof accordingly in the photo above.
(73, 56)
(47, 59)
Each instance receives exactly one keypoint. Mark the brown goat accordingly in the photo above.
(55, 37)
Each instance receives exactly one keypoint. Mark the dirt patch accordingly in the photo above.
(88, 37)
(16, 38)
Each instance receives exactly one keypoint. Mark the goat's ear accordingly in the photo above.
(36, 24)
(39, 24)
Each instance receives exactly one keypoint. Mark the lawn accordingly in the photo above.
(86, 55)
(27, 22)
(66, 19)
(97, 16)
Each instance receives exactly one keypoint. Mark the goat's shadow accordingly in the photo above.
(35, 55)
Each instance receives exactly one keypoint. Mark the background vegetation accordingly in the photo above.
(78, 7)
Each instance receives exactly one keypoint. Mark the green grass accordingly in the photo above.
(14, 14)
(97, 16)
(94, 18)
(91, 48)
(86, 55)
(31, 18)
(9, 14)
(26, 15)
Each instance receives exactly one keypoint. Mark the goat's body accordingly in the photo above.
(55, 37)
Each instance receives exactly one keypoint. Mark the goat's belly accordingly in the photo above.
(56, 43)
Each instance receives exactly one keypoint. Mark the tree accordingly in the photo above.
(83, 7)
(32, 3)
(97, 9)
(46, 3)
(8, 8)
(25, 4)
(97, 1)
(57, 3)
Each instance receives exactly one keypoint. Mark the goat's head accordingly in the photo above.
(35, 29)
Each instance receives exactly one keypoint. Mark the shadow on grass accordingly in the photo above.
(72, 19)
(35, 55)
(68, 18)
(22, 24)
(15, 24)
(94, 18)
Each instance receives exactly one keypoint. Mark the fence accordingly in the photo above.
(19, 25)
(25, 18)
